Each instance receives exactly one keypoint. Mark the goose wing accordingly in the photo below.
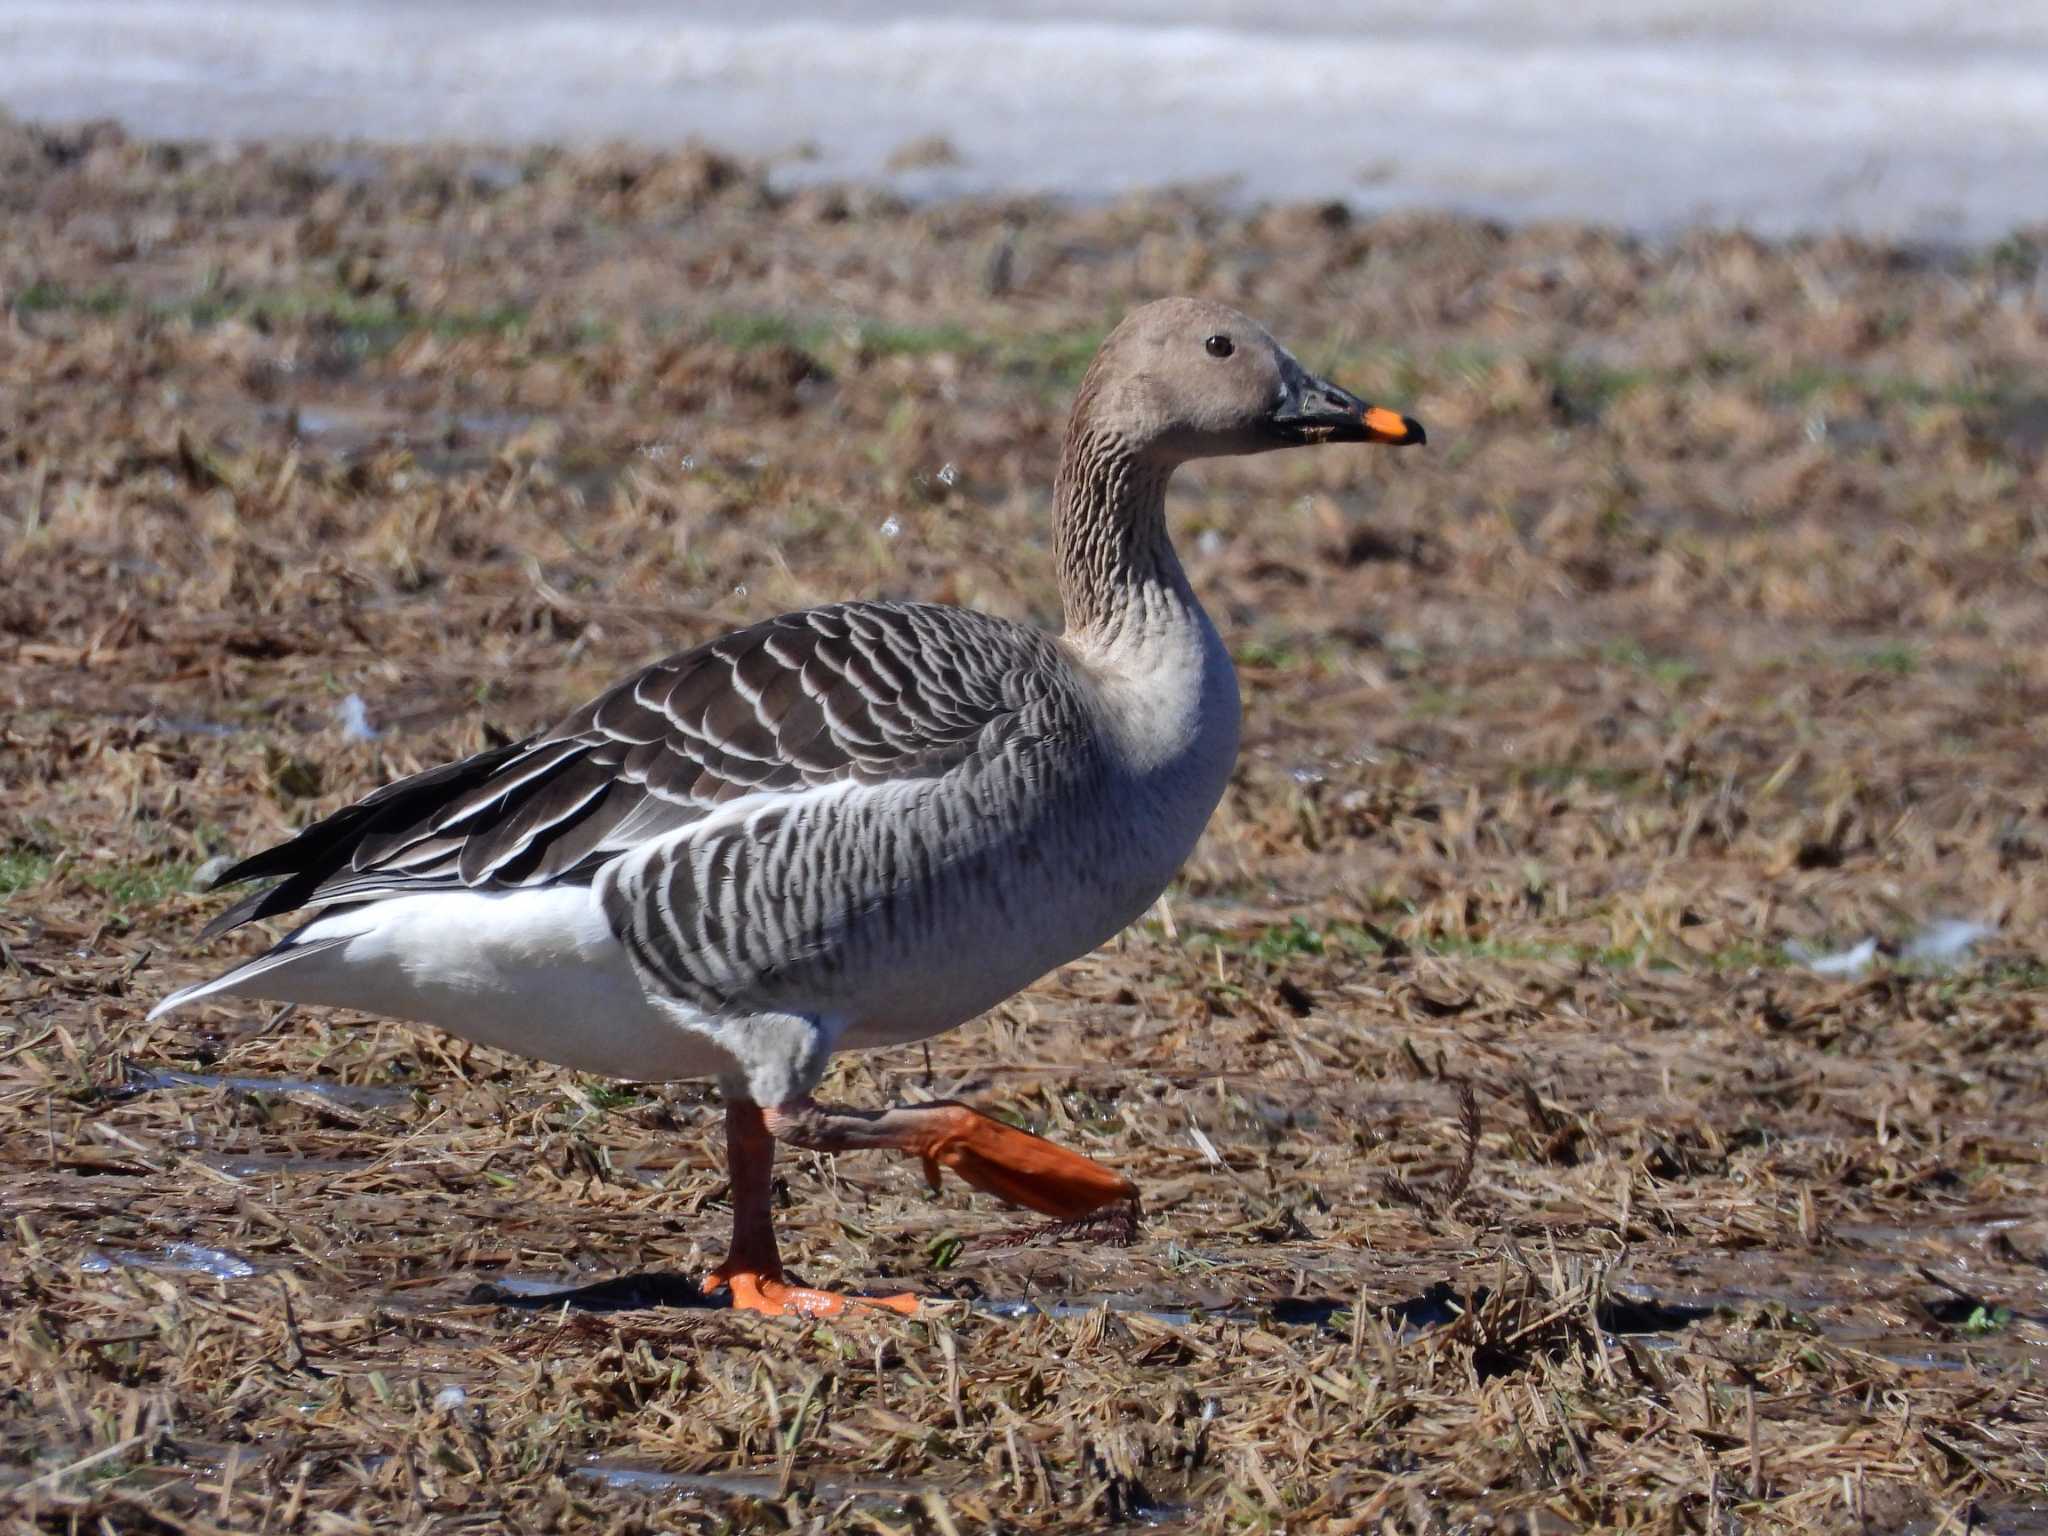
(868, 692)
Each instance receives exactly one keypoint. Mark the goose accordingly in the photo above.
(843, 828)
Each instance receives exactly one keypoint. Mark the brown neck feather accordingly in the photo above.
(1109, 530)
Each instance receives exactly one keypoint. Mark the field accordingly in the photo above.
(1514, 1158)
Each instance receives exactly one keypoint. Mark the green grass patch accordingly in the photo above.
(1470, 947)
(1561, 776)
(1899, 660)
(603, 1096)
(1799, 386)
(1293, 938)
(1432, 701)
(2019, 975)
(1272, 654)
(1319, 657)
(378, 319)
(375, 321)
(20, 869)
(140, 884)
(1670, 671)
(748, 330)
(45, 297)
(1985, 1319)
(879, 338)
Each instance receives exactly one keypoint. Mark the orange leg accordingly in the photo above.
(999, 1159)
(753, 1270)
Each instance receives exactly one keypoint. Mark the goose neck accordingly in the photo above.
(1118, 575)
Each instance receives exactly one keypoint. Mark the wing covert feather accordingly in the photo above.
(867, 691)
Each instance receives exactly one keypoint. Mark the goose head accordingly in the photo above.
(1184, 379)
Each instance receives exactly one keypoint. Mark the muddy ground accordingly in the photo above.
(1707, 637)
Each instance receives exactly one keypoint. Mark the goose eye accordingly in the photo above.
(1219, 346)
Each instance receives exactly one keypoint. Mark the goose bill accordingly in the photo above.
(1317, 411)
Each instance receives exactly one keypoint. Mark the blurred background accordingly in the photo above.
(1903, 118)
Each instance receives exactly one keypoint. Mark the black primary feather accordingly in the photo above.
(327, 848)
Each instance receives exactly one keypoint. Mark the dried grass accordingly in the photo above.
(1710, 620)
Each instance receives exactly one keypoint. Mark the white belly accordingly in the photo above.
(534, 971)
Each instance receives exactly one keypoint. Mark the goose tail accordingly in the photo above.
(237, 982)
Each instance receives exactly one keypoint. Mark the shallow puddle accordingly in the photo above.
(355, 1096)
(1130, 1504)
(173, 1258)
(879, 1495)
(245, 1165)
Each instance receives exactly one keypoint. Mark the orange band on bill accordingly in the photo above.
(1385, 426)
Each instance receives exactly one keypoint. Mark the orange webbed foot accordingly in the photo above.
(1015, 1165)
(754, 1290)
